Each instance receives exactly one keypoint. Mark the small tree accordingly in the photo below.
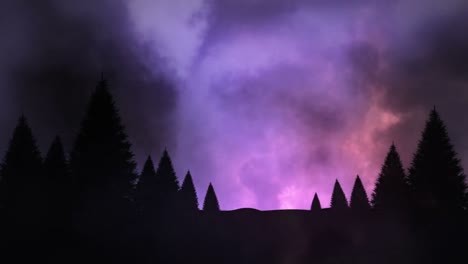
(359, 201)
(147, 196)
(59, 187)
(167, 182)
(188, 194)
(391, 192)
(211, 201)
(22, 185)
(316, 206)
(338, 200)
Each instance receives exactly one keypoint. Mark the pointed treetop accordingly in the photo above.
(56, 170)
(187, 180)
(22, 125)
(166, 174)
(148, 167)
(338, 200)
(391, 191)
(211, 203)
(56, 150)
(147, 191)
(316, 206)
(165, 152)
(434, 113)
(23, 137)
(359, 200)
(188, 194)
(102, 83)
(20, 170)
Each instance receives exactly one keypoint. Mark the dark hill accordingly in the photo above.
(286, 236)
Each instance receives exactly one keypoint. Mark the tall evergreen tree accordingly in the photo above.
(101, 161)
(59, 186)
(22, 188)
(188, 194)
(338, 200)
(211, 201)
(436, 177)
(391, 192)
(316, 206)
(359, 201)
(147, 196)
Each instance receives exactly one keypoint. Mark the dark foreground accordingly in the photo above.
(244, 236)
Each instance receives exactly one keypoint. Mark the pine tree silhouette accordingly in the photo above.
(211, 201)
(359, 201)
(316, 206)
(436, 178)
(338, 200)
(168, 184)
(101, 161)
(59, 187)
(22, 185)
(188, 194)
(147, 195)
(391, 192)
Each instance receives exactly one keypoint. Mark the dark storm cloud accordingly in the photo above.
(427, 67)
(436, 61)
(259, 11)
(227, 16)
(332, 84)
(299, 92)
(52, 55)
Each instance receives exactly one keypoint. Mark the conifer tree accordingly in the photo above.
(101, 161)
(436, 178)
(188, 194)
(59, 186)
(147, 195)
(168, 184)
(391, 192)
(22, 188)
(359, 201)
(166, 174)
(338, 200)
(316, 206)
(211, 201)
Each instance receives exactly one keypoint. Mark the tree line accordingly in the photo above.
(99, 169)
(95, 193)
(435, 180)
(95, 185)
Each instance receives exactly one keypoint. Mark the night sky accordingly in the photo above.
(270, 100)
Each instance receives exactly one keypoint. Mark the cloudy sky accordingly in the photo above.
(270, 100)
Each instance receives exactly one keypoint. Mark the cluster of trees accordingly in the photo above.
(94, 203)
(435, 181)
(100, 171)
(96, 185)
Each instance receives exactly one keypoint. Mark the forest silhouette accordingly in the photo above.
(91, 205)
